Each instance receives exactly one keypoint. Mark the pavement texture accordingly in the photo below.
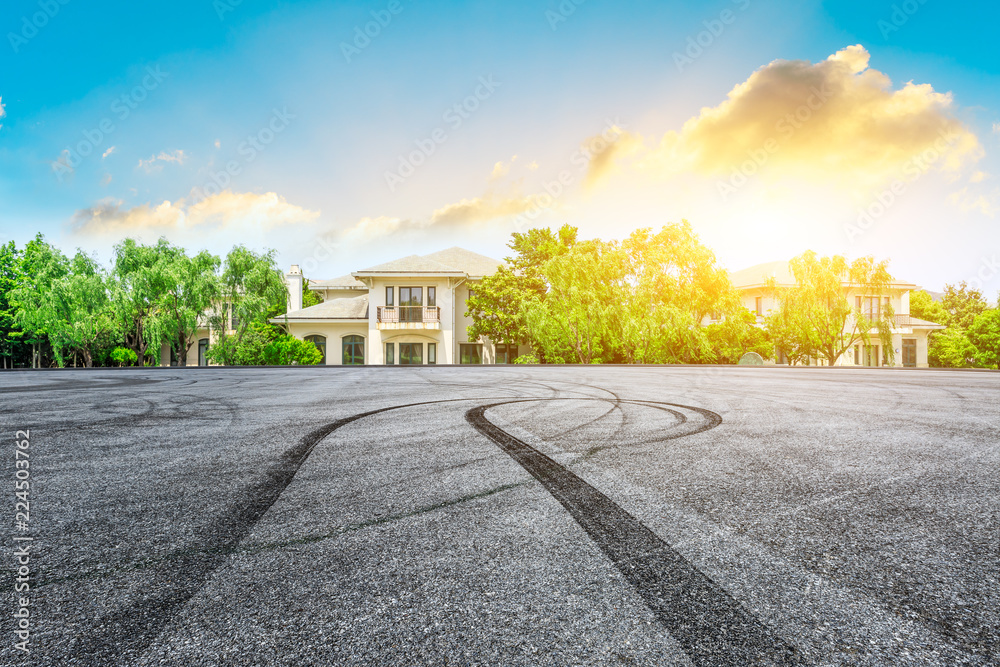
(506, 516)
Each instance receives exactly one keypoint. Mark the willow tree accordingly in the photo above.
(818, 310)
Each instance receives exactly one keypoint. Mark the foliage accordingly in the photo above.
(253, 288)
(951, 348)
(310, 297)
(963, 304)
(192, 287)
(287, 350)
(498, 307)
(924, 307)
(123, 356)
(815, 314)
(984, 336)
(246, 349)
(527, 359)
(10, 277)
(735, 336)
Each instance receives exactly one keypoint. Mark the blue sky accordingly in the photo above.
(312, 137)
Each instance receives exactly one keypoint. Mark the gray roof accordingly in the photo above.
(343, 282)
(355, 308)
(453, 261)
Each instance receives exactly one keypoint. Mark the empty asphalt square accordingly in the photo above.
(506, 516)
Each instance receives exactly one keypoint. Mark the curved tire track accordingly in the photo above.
(711, 627)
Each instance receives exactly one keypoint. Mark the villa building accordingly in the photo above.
(909, 334)
(408, 311)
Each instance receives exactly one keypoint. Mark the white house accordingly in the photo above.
(408, 311)
(909, 334)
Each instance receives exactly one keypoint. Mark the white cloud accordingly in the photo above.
(108, 152)
(833, 121)
(3, 110)
(151, 165)
(226, 210)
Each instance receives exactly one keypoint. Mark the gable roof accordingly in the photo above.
(343, 282)
(355, 308)
(451, 262)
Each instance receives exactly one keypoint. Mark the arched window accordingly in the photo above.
(319, 342)
(202, 349)
(354, 350)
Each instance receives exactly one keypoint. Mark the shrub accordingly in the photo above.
(288, 350)
(124, 356)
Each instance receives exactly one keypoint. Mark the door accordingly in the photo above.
(202, 349)
(909, 352)
(411, 304)
(411, 354)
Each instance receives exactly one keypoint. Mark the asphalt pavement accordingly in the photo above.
(501, 515)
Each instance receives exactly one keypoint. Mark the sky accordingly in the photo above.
(345, 134)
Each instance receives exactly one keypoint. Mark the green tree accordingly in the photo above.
(817, 306)
(10, 277)
(963, 304)
(192, 286)
(41, 267)
(310, 297)
(984, 336)
(287, 350)
(736, 335)
(498, 306)
(924, 307)
(143, 277)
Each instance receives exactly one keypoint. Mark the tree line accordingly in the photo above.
(663, 298)
(61, 311)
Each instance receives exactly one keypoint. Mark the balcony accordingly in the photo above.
(408, 317)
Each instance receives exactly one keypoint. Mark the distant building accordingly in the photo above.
(909, 334)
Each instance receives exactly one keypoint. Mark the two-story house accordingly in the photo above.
(909, 334)
(408, 311)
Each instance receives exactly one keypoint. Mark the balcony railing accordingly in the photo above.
(404, 314)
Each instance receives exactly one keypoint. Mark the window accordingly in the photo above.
(471, 353)
(320, 343)
(872, 306)
(202, 349)
(432, 297)
(472, 293)
(390, 354)
(354, 350)
(871, 356)
(432, 352)
(759, 304)
(506, 354)
(411, 354)
(411, 304)
(857, 355)
(390, 294)
(235, 321)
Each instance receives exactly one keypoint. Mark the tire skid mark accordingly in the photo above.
(711, 627)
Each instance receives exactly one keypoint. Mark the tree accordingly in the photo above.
(41, 267)
(143, 277)
(816, 311)
(287, 350)
(963, 304)
(10, 277)
(192, 286)
(924, 307)
(310, 297)
(253, 289)
(984, 336)
(736, 335)
(497, 307)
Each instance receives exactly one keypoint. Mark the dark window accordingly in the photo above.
(759, 303)
(390, 354)
(506, 354)
(390, 296)
(354, 350)
(472, 293)
(471, 353)
(320, 343)
(432, 352)
(202, 349)
(432, 297)
(411, 354)
(910, 352)
(411, 304)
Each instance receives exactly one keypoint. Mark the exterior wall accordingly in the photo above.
(334, 332)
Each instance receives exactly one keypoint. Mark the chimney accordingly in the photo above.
(294, 283)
